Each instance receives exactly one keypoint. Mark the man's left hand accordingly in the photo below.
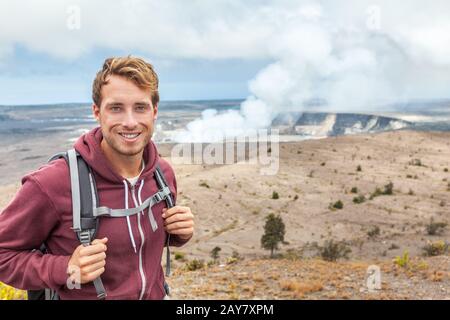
(180, 221)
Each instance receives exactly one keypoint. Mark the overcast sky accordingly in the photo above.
(281, 52)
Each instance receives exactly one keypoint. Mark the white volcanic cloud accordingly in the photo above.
(352, 54)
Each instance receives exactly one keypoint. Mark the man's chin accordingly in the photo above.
(131, 153)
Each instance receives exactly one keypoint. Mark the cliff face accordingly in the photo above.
(319, 125)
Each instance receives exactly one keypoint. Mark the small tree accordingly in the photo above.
(274, 231)
(215, 253)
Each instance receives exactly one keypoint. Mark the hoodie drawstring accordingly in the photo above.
(150, 212)
(130, 232)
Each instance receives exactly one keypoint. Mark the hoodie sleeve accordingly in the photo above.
(25, 224)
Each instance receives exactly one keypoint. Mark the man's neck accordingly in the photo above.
(126, 166)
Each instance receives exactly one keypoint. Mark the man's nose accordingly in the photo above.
(130, 120)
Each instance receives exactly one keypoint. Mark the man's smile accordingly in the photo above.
(130, 136)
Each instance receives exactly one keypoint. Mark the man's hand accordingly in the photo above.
(180, 221)
(89, 260)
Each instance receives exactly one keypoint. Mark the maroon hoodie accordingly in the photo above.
(42, 212)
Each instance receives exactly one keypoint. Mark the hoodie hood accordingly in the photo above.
(88, 145)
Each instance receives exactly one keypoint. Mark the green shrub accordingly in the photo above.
(402, 261)
(359, 199)
(388, 190)
(215, 253)
(332, 251)
(275, 195)
(436, 248)
(416, 162)
(195, 265)
(435, 228)
(338, 205)
(204, 184)
(179, 256)
(373, 232)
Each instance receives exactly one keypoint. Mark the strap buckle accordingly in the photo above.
(85, 237)
(158, 197)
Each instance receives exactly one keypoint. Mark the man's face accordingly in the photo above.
(126, 116)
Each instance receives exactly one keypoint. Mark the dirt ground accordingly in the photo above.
(231, 201)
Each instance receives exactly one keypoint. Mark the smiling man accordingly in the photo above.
(127, 250)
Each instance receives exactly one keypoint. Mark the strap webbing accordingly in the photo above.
(162, 183)
(149, 202)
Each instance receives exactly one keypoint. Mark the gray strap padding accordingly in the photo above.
(75, 185)
(149, 202)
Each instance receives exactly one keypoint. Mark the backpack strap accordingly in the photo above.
(162, 185)
(84, 201)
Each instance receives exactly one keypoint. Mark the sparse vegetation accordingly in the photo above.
(402, 261)
(301, 288)
(275, 195)
(373, 232)
(179, 256)
(388, 190)
(195, 265)
(337, 205)
(236, 255)
(354, 190)
(332, 251)
(215, 253)
(359, 199)
(204, 184)
(435, 228)
(393, 247)
(436, 248)
(416, 162)
(359, 169)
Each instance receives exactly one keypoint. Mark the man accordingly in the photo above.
(127, 252)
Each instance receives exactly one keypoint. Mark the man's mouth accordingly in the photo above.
(130, 135)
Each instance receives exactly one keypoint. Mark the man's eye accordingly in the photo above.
(141, 108)
(115, 109)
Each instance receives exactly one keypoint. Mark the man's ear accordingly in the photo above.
(96, 111)
(155, 111)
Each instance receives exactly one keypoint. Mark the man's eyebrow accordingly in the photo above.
(114, 104)
(142, 104)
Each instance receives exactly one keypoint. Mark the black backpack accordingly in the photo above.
(86, 210)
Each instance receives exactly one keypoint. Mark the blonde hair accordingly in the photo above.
(132, 68)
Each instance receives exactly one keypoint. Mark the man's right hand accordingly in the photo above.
(89, 260)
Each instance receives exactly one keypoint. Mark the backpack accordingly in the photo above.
(86, 210)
